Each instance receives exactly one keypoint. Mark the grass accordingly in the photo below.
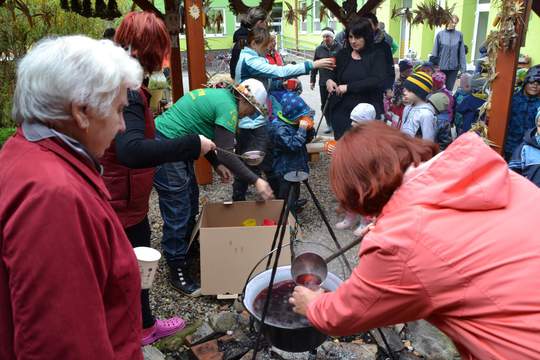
(5, 133)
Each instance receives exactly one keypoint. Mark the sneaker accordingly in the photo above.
(161, 329)
(359, 230)
(181, 281)
(348, 222)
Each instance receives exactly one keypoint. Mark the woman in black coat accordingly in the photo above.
(358, 76)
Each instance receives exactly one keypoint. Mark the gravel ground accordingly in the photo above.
(167, 302)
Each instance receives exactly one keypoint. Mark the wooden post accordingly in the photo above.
(503, 88)
(172, 19)
(195, 44)
(197, 70)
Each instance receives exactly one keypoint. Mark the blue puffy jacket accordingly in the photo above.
(522, 118)
(252, 66)
(289, 147)
(526, 157)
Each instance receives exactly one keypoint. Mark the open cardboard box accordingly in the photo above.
(229, 250)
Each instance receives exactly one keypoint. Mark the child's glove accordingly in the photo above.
(306, 123)
(330, 146)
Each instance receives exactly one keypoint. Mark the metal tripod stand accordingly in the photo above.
(294, 178)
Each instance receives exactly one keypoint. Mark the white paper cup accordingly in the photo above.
(148, 259)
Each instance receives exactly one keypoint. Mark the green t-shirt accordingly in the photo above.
(198, 112)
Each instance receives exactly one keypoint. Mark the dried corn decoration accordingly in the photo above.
(503, 38)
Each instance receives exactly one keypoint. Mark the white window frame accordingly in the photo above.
(316, 18)
(480, 8)
(224, 25)
(300, 22)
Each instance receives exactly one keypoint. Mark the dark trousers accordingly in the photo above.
(284, 188)
(249, 140)
(139, 235)
(451, 77)
(324, 98)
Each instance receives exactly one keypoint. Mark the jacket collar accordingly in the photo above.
(69, 153)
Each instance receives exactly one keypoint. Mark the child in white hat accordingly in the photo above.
(361, 113)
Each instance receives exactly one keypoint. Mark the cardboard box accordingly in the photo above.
(229, 250)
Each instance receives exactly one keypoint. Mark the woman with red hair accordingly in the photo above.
(452, 244)
(129, 163)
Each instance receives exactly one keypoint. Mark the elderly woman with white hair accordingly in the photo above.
(69, 280)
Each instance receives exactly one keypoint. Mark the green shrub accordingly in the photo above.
(4, 134)
(26, 21)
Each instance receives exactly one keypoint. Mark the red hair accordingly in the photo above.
(369, 162)
(147, 37)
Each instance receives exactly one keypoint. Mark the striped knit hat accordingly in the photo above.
(420, 84)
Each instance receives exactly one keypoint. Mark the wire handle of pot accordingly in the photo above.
(267, 255)
(257, 265)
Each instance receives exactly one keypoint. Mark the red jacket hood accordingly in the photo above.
(466, 176)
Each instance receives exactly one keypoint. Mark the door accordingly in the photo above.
(480, 27)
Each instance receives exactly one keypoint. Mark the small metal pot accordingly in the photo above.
(298, 339)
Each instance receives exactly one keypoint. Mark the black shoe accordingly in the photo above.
(301, 202)
(181, 280)
(328, 130)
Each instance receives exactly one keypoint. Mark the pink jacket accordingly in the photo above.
(456, 245)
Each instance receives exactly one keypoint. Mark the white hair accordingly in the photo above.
(61, 71)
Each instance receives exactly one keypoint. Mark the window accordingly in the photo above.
(332, 22)
(215, 22)
(303, 22)
(316, 16)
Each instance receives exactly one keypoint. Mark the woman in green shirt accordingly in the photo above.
(213, 113)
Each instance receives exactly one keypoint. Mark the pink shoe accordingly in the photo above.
(349, 221)
(161, 329)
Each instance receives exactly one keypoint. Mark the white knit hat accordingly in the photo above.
(328, 32)
(363, 112)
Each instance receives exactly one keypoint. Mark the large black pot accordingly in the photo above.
(298, 339)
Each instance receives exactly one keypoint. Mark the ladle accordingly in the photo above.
(252, 158)
(310, 269)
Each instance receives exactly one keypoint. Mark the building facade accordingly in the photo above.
(476, 19)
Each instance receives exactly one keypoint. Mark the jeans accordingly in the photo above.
(139, 235)
(179, 205)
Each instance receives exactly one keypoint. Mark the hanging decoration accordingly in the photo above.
(194, 11)
(238, 7)
(504, 38)
(101, 10)
(430, 13)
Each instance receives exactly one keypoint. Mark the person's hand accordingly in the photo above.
(264, 189)
(312, 86)
(331, 86)
(330, 146)
(341, 89)
(224, 173)
(304, 124)
(326, 63)
(206, 145)
(302, 297)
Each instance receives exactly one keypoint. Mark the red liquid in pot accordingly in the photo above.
(280, 312)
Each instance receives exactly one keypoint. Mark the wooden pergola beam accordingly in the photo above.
(369, 6)
(503, 85)
(145, 5)
(334, 9)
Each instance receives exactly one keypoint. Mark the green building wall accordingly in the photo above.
(422, 37)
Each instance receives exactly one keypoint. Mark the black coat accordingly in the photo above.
(367, 90)
(240, 37)
(323, 52)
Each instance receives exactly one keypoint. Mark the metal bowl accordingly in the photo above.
(254, 157)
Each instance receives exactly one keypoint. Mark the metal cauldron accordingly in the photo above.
(297, 339)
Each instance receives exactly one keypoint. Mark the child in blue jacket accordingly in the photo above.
(526, 157)
(290, 130)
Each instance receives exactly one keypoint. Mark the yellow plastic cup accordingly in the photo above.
(249, 222)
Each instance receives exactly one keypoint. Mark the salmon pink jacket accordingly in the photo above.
(457, 245)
